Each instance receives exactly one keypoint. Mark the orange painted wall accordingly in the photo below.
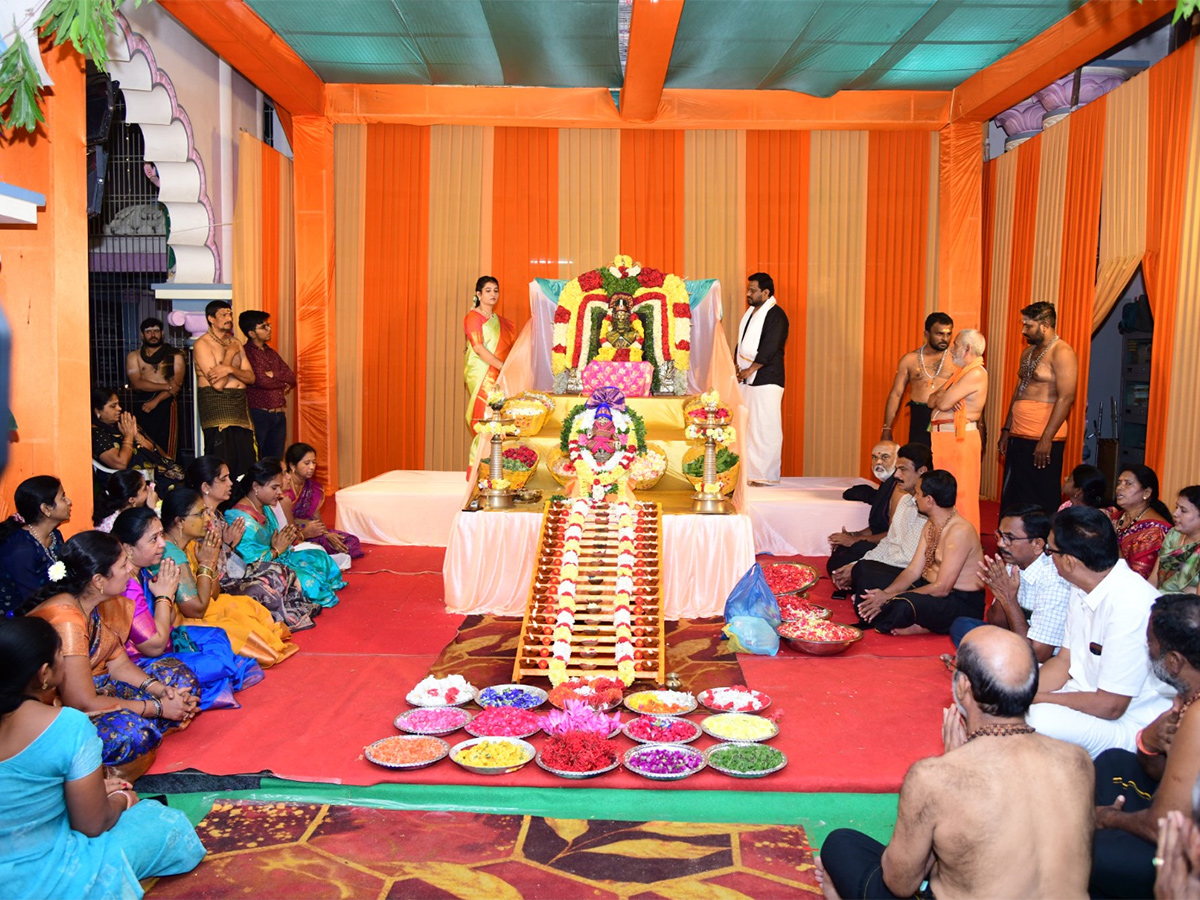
(44, 292)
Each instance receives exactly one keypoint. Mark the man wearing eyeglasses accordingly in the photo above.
(1031, 597)
(1099, 691)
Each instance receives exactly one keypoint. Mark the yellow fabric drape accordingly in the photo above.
(933, 222)
(247, 226)
(999, 356)
(714, 216)
(456, 222)
(1123, 194)
(1181, 465)
(1047, 254)
(349, 160)
(589, 209)
(836, 286)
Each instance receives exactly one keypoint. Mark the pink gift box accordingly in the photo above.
(632, 379)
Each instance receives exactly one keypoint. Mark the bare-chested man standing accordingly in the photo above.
(1035, 429)
(155, 372)
(942, 582)
(223, 372)
(921, 371)
(975, 821)
(958, 406)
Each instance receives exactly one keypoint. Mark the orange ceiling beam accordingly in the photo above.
(1078, 39)
(652, 29)
(233, 31)
(594, 108)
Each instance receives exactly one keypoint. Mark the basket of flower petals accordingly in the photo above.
(661, 730)
(648, 468)
(818, 637)
(695, 413)
(520, 462)
(528, 415)
(797, 609)
(560, 466)
(790, 578)
(579, 754)
(505, 721)
(578, 716)
(599, 693)
(664, 762)
(734, 699)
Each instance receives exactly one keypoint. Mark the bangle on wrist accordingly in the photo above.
(158, 709)
(1142, 747)
(125, 794)
(145, 684)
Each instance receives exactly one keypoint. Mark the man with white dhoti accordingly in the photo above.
(762, 334)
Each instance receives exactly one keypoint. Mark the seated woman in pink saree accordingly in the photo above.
(302, 498)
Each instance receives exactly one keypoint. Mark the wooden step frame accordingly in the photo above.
(593, 629)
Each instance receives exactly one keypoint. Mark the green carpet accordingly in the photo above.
(874, 814)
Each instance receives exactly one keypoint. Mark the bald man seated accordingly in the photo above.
(848, 547)
(975, 822)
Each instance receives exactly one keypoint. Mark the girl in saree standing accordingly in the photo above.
(489, 338)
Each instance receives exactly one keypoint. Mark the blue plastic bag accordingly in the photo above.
(751, 596)
(750, 634)
(752, 615)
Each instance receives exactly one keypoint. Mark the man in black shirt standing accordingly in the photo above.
(762, 334)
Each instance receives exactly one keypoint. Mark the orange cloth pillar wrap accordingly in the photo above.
(316, 362)
(894, 301)
(777, 191)
(1170, 105)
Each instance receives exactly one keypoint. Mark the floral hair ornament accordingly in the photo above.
(57, 571)
(18, 518)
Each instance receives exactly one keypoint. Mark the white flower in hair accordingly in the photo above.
(57, 571)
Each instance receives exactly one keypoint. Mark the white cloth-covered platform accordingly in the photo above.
(403, 507)
(793, 518)
(796, 516)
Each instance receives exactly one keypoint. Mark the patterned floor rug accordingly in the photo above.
(485, 647)
(261, 849)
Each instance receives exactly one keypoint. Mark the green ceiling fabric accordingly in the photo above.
(820, 47)
(542, 43)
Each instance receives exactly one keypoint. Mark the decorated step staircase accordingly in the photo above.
(595, 605)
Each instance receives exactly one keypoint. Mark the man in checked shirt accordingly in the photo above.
(1031, 597)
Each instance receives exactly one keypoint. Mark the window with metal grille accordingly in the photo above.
(127, 253)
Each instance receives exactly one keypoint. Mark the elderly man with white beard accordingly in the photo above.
(850, 546)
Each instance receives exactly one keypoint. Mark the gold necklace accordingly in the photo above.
(936, 537)
(1125, 518)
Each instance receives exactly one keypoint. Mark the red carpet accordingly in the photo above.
(309, 850)
(311, 717)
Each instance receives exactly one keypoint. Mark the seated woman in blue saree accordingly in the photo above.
(254, 495)
(66, 831)
(207, 651)
(132, 708)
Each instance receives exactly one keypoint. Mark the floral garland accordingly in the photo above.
(663, 298)
(722, 434)
(564, 596)
(624, 601)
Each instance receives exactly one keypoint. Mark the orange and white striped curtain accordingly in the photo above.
(842, 220)
(1113, 175)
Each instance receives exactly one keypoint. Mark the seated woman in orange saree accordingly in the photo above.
(489, 338)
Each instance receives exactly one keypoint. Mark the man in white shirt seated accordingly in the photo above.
(1031, 597)
(887, 559)
(1099, 691)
